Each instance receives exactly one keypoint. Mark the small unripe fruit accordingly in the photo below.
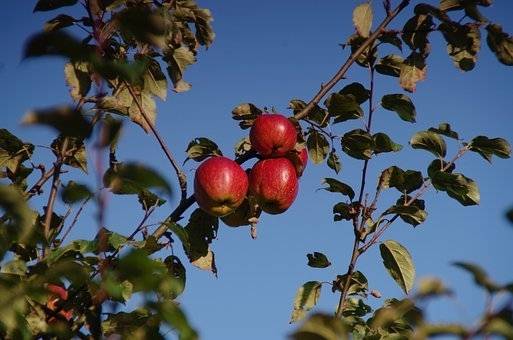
(220, 186)
(273, 183)
(272, 135)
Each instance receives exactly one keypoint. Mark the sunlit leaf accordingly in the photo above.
(399, 264)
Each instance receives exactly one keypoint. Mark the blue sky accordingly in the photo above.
(268, 52)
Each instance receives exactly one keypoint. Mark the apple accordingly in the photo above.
(273, 183)
(58, 293)
(220, 186)
(241, 215)
(272, 135)
(299, 158)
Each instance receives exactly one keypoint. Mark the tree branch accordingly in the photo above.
(182, 178)
(325, 88)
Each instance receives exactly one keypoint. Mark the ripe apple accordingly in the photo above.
(241, 215)
(273, 182)
(220, 186)
(299, 158)
(272, 135)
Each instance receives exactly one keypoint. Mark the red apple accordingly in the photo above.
(272, 135)
(273, 182)
(241, 215)
(220, 185)
(299, 158)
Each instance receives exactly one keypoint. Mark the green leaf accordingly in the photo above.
(318, 260)
(343, 107)
(357, 286)
(246, 113)
(500, 43)
(487, 147)
(355, 307)
(201, 148)
(306, 298)
(413, 70)
(177, 271)
(178, 60)
(463, 43)
(411, 214)
(78, 79)
(480, 276)
(383, 143)
(170, 312)
(457, 186)
(335, 185)
(358, 144)
(74, 192)
(132, 178)
(429, 141)
(398, 262)
(321, 327)
(334, 161)
(201, 230)
(362, 19)
(390, 65)
(59, 22)
(64, 119)
(446, 130)
(155, 80)
(318, 147)
(429, 287)
(139, 321)
(50, 5)
(401, 104)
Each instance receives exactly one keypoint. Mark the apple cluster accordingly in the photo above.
(223, 189)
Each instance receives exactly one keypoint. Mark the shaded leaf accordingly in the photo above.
(358, 144)
(362, 19)
(13, 151)
(318, 147)
(316, 114)
(149, 108)
(344, 211)
(64, 119)
(399, 264)
(415, 32)
(78, 79)
(306, 298)
(357, 286)
(76, 152)
(321, 327)
(391, 37)
(437, 165)
(390, 65)
(201, 148)
(357, 91)
(401, 104)
(334, 185)
(343, 107)
(132, 178)
(200, 230)
(457, 186)
(429, 141)
(334, 161)
(59, 22)
(178, 60)
(429, 287)
(463, 43)
(404, 181)
(481, 278)
(318, 260)
(74, 192)
(246, 113)
(500, 43)
(155, 80)
(383, 143)
(487, 147)
(411, 214)
(446, 130)
(50, 5)
(147, 199)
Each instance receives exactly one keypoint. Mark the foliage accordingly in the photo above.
(115, 74)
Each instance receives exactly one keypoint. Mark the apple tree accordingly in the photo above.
(123, 55)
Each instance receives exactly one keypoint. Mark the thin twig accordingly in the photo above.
(36, 188)
(325, 88)
(75, 219)
(182, 178)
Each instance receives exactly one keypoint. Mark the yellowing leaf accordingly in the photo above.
(362, 19)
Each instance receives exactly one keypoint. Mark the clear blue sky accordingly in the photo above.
(268, 52)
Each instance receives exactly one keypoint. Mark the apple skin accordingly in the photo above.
(240, 217)
(273, 183)
(303, 155)
(272, 135)
(220, 186)
(299, 158)
(58, 293)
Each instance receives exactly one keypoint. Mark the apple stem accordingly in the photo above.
(253, 231)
